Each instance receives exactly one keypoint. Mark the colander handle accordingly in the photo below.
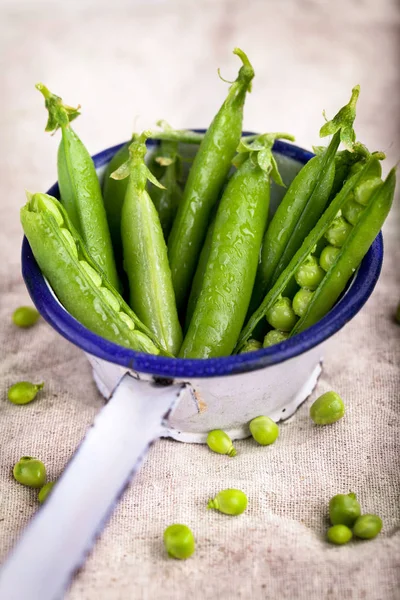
(60, 535)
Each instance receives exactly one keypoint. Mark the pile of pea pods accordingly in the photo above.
(190, 265)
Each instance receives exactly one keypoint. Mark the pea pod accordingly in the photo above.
(235, 245)
(199, 276)
(145, 252)
(301, 207)
(305, 250)
(207, 175)
(76, 279)
(167, 199)
(114, 191)
(351, 254)
(79, 186)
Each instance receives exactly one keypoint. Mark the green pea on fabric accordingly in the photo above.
(30, 471)
(367, 526)
(25, 316)
(179, 541)
(344, 509)
(339, 535)
(45, 491)
(327, 409)
(23, 392)
(264, 430)
(229, 502)
(218, 441)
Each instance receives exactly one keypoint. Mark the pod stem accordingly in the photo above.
(343, 121)
(259, 150)
(137, 153)
(212, 504)
(245, 75)
(60, 114)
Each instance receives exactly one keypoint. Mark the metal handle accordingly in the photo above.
(58, 538)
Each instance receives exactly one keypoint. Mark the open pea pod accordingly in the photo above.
(305, 250)
(356, 244)
(75, 278)
(304, 202)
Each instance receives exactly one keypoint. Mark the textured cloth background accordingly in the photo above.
(159, 59)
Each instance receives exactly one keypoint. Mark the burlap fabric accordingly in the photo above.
(159, 60)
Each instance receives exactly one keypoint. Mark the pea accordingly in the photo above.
(309, 275)
(328, 257)
(251, 346)
(23, 392)
(327, 409)
(45, 491)
(365, 189)
(352, 211)
(281, 315)
(344, 509)
(179, 541)
(367, 526)
(218, 441)
(274, 337)
(301, 301)
(25, 316)
(264, 430)
(229, 502)
(339, 534)
(338, 232)
(30, 471)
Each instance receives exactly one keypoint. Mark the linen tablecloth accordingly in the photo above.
(129, 64)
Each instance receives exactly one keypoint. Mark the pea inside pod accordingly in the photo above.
(302, 205)
(351, 253)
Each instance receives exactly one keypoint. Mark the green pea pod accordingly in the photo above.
(114, 191)
(286, 278)
(199, 276)
(301, 207)
(232, 263)
(167, 199)
(79, 186)
(347, 163)
(145, 252)
(76, 279)
(351, 254)
(207, 175)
